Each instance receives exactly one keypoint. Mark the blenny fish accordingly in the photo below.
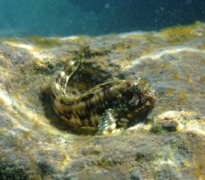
(107, 106)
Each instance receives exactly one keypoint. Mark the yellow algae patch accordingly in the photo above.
(177, 30)
(202, 79)
(43, 42)
(183, 31)
(175, 76)
(170, 91)
(183, 95)
(165, 65)
(189, 80)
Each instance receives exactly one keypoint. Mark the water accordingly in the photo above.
(94, 17)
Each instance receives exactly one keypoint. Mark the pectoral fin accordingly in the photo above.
(107, 123)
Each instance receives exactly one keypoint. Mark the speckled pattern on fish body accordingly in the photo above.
(107, 106)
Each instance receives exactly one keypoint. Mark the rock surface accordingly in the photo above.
(36, 144)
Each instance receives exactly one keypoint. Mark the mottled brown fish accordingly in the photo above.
(107, 106)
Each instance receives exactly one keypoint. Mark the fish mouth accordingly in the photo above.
(154, 99)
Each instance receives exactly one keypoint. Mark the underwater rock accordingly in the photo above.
(36, 144)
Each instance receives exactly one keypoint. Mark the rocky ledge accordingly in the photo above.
(36, 144)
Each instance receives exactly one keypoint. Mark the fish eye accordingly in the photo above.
(128, 95)
(135, 88)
